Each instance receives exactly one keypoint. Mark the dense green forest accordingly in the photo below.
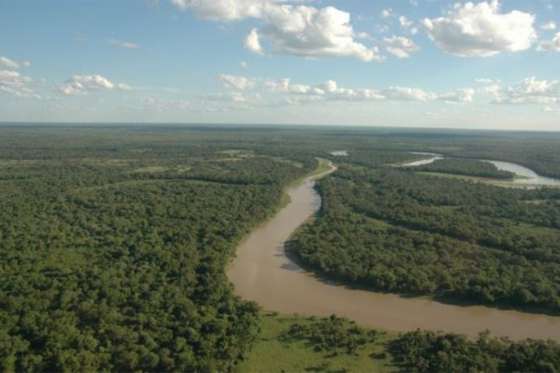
(466, 167)
(114, 240)
(396, 231)
(431, 352)
(117, 264)
(334, 335)
(333, 344)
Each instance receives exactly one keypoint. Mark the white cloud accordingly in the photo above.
(386, 13)
(459, 96)
(8, 63)
(484, 80)
(243, 65)
(239, 83)
(552, 45)
(298, 30)
(528, 91)
(400, 46)
(549, 26)
(407, 94)
(311, 32)
(235, 100)
(330, 90)
(13, 83)
(223, 10)
(124, 87)
(124, 44)
(481, 30)
(253, 43)
(408, 25)
(405, 22)
(83, 84)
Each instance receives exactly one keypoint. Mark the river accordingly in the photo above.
(525, 176)
(263, 273)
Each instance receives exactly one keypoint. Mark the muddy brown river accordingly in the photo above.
(263, 273)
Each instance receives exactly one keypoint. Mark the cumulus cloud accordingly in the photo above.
(13, 83)
(83, 84)
(408, 25)
(386, 13)
(482, 30)
(223, 10)
(331, 90)
(311, 32)
(286, 86)
(253, 43)
(299, 30)
(405, 22)
(400, 46)
(238, 83)
(326, 90)
(549, 26)
(8, 63)
(528, 91)
(552, 45)
(408, 94)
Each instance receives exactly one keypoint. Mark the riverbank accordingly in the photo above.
(524, 177)
(263, 273)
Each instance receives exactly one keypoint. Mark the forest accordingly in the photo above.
(420, 351)
(117, 264)
(392, 230)
(114, 239)
(465, 167)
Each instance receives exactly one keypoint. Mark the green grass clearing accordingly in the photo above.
(272, 354)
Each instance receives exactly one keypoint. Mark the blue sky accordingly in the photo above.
(485, 64)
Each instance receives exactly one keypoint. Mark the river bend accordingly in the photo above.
(263, 273)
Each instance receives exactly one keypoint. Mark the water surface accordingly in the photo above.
(263, 273)
(430, 158)
(525, 176)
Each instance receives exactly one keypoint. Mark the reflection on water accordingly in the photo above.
(264, 274)
(525, 176)
(431, 158)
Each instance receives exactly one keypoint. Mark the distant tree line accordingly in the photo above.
(466, 167)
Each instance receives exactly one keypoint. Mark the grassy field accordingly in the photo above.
(273, 354)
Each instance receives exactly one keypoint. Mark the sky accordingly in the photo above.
(414, 63)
